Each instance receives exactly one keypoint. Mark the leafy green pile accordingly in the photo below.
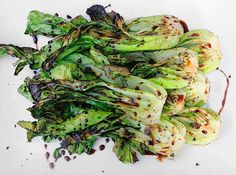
(141, 83)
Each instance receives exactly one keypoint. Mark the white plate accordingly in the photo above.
(217, 158)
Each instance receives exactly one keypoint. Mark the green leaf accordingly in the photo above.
(39, 23)
(56, 153)
(124, 150)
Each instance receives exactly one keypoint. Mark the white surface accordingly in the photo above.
(217, 158)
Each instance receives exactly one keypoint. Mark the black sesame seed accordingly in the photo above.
(51, 165)
(47, 155)
(68, 17)
(101, 147)
(63, 152)
(67, 158)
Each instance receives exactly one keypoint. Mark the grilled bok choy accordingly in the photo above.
(140, 82)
